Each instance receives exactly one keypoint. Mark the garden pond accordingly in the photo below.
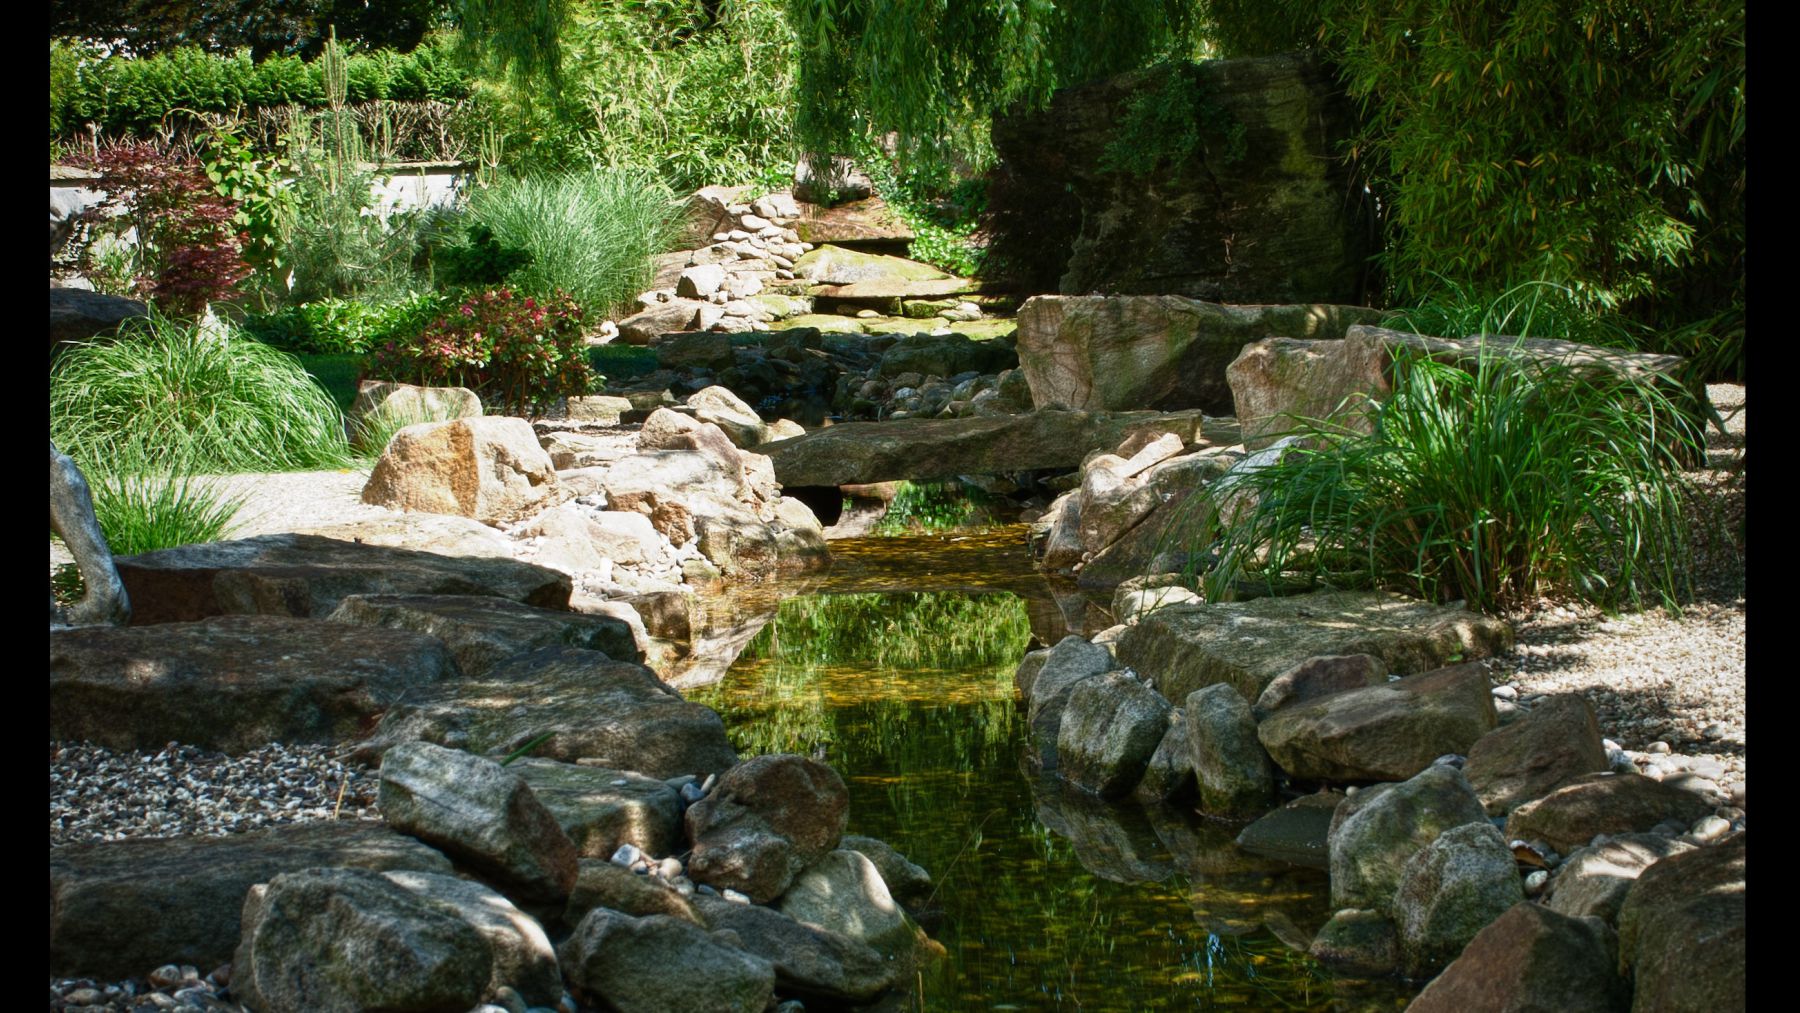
(896, 668)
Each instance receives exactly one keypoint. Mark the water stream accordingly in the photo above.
(896, 669)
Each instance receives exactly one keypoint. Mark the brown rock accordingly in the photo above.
(601, 884)
(1682, 932)
(1382, 733)
(1531, 959)
(492, 469)
(1571, 816)
(1320, 676)
(765, 821)
(482, 632)
(1556, 742)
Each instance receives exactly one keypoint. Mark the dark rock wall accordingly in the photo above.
(1265, 210)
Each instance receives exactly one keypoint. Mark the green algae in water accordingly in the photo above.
(1045, 899)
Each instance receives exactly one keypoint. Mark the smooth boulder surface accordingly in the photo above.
(1572, 815)
(345, 940)
(482, 632)
(810, 961)
(1234, 773)
(1072, 661)
(910, 884)
(389, 402)
(1528, 960)
(766, 821)
(77, 315)
(234, 683)
(720, 407)
(1111, 353)
(1376, 832)
(1248, 644)
(612, 714)
(1110, 727)
(1682, 931)
(857, 453)
(1558, 741)
(490, 468)
(478, 813)
(524, 960)
(1298, 832)
(310, 575)
(601, 809)
(1317, 677)
(835, 265)
(659, 964)
(120, 907)
(1280, 379)
(1450, 890)
(1594, 880)
(1387, 732)
(843, 892)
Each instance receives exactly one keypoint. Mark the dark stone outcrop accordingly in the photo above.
(1264, 210)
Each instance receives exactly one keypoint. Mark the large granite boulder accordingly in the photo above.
(492, 469)
(1280, 379)
(765, 822)
(1387, 732)
(1298, 832)
(910, 884)
(810, 961)
(612, 714)
(1109, 729)
(382, 406)
(349, 939)
(1682, 931)
(602, 883)
(1259, 211)
(843, 892)
(1450, 890)
(1169, 776)
(1593, 881)
(1556, 742)
(480, 814)
(1358, 941)
(720, 407)
(309, 575)
(1528, 960)
(77, 315)
(724, 499)
(656, 964)
(120, 907)
(1574, 814)
(601, 809)
(1115, 353)
(835, 265)
(234, 683)
(483, 631)
(523, 958)
(856, 453)
(1317, 677)
(1248, 644)
(1235, 776)
(1072, 661)
(1376, 832)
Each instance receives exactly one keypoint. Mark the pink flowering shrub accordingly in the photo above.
(514, 352)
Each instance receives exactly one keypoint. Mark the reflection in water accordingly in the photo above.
(1045, 899)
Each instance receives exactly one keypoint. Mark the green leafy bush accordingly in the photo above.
(508, 348)
(697, 92)
(1491, 484)
(344, 326)
(127, 95)
(590, 234)
(168, 393)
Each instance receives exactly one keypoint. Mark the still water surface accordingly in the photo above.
(896, 669)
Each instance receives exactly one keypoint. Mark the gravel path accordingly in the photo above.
(1654, 678)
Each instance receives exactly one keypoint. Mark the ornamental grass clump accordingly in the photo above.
(144, 513)
(1493, 481)
(168, 397)
(511, 350)
(591, 235)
